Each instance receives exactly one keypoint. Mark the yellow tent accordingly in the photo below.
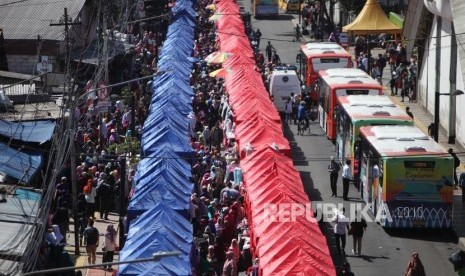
(372, 20)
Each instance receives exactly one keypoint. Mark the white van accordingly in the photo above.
(282, 84)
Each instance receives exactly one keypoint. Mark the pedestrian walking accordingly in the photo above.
(297, 32)
(258, 36)
(392, 84)
(415, 267)
(456, 165)
(288, 111)
(462, 185)
(104, 193)
(381, 62)
(407, 110)
(110, 246)
(269, 51)
(275, 59)
(91, 239)
(295, 106)
(333, 169)
(357, 227)
(346, 177)
(341, 226)
(431, 129)
(405, 86)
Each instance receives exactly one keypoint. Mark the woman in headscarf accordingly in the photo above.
(51, 237)
(90, 192)
(235, 249)
(230, 267)
(415, 266)
(208, 235)
(110, 245)
(212, 260)
(219, 226)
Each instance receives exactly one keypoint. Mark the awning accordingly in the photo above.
(16, 228)
(372, 20)
(19, 165)
(30, 131)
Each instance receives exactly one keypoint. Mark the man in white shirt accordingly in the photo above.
(346, 177)
(341, 227)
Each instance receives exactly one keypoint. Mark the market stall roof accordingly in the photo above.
(372, 20)
(159, 229)
(19, 165)
(17, 227)
(28, 131)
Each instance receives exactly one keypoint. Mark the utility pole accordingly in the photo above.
(122, 201)
(67, 22)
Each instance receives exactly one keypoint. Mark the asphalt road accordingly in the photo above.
(383, 252)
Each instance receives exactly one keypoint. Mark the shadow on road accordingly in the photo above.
(432, 235)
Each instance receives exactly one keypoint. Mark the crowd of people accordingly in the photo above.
(403, 72)
(99, 139)
(217, 206)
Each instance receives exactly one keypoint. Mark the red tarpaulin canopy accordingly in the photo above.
(294, 249)
(242, 76)
(244, 99)
(230, 19)
(260, 133)
(257, 109)
(235, 44)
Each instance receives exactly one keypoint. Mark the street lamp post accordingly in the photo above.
(437, 97)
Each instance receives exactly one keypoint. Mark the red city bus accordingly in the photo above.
(341, 82)
(316, 56)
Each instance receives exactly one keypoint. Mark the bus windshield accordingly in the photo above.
(329, 63)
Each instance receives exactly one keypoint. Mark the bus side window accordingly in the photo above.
(327, 95)
(381, 174)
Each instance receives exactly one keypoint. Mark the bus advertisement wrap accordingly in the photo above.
(419, 191)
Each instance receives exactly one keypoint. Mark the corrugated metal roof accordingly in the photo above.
(30, 131)
(28, 19)
(19, 213)
(19, 165)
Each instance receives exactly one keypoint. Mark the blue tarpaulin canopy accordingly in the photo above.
(29, 131)
(166, 102)
(181, 69)
(163, 159)
(172, 117)
(184, 9)
(160, 229)
(19, 165)
(165, 135)
(173, 87)
(162, 186)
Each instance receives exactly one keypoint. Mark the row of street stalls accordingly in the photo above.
(158, 211)
(282, 247)
(22, 145)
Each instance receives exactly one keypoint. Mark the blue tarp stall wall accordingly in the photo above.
(158, 211)
(19, 165)
(28, 131)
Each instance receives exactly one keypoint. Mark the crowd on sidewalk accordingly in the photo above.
(101, 139)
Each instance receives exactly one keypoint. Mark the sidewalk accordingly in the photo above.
(81, 260)
(422, 120)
